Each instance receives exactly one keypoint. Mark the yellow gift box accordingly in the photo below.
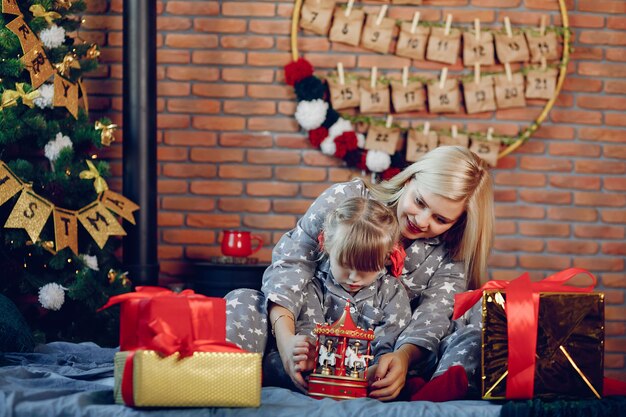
(205, 379)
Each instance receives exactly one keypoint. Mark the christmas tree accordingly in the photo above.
(56, 211)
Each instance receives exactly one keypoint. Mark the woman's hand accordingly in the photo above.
(298, 355)
(389, 375)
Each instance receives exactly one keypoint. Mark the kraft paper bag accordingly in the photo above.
(412, 45)
(541, 83)
(316, 16)
(347, 29)
(411, 97)
(478, 51)
(446, 99)
(479, 97)
(460, 139)
(344, 96)
(542, 46)
(381, 138)
(443, 48)
(486, 150)
(376, 99)
(419, 144)
(509, 94)
(511, 48)
(377, 37)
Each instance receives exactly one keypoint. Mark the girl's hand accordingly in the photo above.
(298, 355)
(388, 376)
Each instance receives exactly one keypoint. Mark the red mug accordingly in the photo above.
(239, 243)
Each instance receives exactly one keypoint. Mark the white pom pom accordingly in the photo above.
(91, 262)
(53, 36)
(53, 148)
(311, 114)
(360, 140)
(328, 146)
(52, 296)
(339, 127)
(46, 96)
(377, 161)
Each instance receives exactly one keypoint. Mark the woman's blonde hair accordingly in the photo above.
(361, 233)
(455, 173)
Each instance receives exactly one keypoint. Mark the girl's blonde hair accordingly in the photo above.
(361, 233)
(455, 173)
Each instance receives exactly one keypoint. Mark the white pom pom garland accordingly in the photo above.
(52, 296)
(311, 114)
(53, 36)
(53, 148)
(377, 161)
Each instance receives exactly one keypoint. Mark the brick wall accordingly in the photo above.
(231, 155)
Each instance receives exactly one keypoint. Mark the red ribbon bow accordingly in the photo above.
(397, 257)
(522, 312)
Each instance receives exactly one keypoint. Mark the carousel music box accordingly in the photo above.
(343, 355)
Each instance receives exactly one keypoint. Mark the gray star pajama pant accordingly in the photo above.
(247, 327)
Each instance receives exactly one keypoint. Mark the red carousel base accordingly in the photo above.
(337, 387)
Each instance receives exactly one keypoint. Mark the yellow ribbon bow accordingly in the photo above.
(93, 174)
(93, 52)
(38, 11)
(9, 97)
(66, 4)
(106, 136)
(69, 61)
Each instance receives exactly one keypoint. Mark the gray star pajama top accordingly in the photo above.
(430, 277)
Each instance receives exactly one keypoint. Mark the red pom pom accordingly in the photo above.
(397, 257)
(390, 173)
(298, 70)
(317, 136)
(361, 164)
(345, 143)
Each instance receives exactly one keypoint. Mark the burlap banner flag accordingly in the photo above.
(30, 213)
(100, 223)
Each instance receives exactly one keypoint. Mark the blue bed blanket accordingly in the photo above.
(66, 379)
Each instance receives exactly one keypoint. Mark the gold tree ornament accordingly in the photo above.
(63, 4)
(9, 97)
(69, 61)
(93, 52)
(93, 174)
(106, 136)
(39, 11)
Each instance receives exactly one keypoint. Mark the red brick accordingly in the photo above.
(273, 124)
(499, 4)
(293, 142)
(287, 108)
(615, 87)
(316, 158)
(247, 42)
(245, 140)
(192, 8)
(245, 172)
(173, 57)
(572, 214)
(614, 280)
(614, 297)
(169, 89)
(171, 187)
(193, 106)
(218, 123)
(517, 244)
(315, 44)
(188, 170)
(169, 219)
(615, 151)
(602, 135)
(248, 75)
(602, 6)
(615, 183)
(189, 236)
(218, 57)
(549, 262)
(577, 247)
(273, 157)
(616, 54)
(602, 38)
(171, 153)
(613, 216)
(190, 138)
(544, 229)
(545, 196)
(342, 174)
(218, 90)
(202, 253)
(535, 163)
(270, 222)
(600, 167)
(614, 248)
(575, 182)
(602, 102)
(249, 107)
(265, 189)
(313, 190)
(248, 205)
(216, 155)
(213, 220)
(520, 179)
(599, 199)
(291, 206)
(531, 147)
(219, 25)
(614, 119)
(189, 73)
(582, 85)
(106, 23)
(502, 260)
(188, 203)
(271, 91)
(555, 132)
(573, 116)
(581, 21)
(595, 263)
(572, 149)
(505, 196)
(191, 41)
(248, 9)
(599, 232)
(173, 23)
(216, 187)
(270, 27)
(299, 174)
(169, 252)
(602, 69)
(520, 212)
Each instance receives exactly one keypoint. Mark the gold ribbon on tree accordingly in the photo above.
(93, 174)
(38, 11)
(93, 52)
(106, 136)
(66, 4)
(69, 61)
(9, 97)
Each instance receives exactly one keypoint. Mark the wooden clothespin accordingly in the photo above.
(381, 14)
(349, 8)
(374, 77)
(477, 29)
(507, 26)
(542, 25)
(544, 63)
(448, 25)
(477, 73)
(405, 76)
(443, 77)
(455, 131)
(426, 128)
(415, 22)
(389, 121)
(342, 79)
(490, 134)
(509, 74)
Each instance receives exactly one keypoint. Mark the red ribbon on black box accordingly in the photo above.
(522, 314)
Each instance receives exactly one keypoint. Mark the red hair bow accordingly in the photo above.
(397, 260)
(320, 240)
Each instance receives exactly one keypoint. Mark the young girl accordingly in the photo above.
(444, 208)
(357, 242)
